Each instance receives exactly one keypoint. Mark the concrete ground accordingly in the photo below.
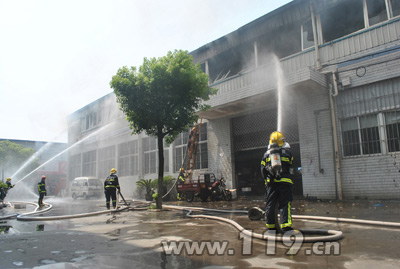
(144, 238)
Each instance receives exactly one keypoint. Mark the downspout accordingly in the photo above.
(314, 27)
(335, 136)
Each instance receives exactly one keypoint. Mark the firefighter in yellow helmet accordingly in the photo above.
(275, 169)
(8, 182)
(181, 180)
(111, 185)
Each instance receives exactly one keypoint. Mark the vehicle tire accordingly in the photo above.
(74, 196)
(228, 196)
(189, 196)
(84, 196)
(203, 196)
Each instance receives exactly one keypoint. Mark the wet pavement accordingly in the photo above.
(144, 238)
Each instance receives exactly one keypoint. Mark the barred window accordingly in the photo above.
(89, 163)
(128, 157)
(351, 138)
(150, 149)
(106, 161)
(370, 134)
(75, 165)
(360, 136)
(392, 120)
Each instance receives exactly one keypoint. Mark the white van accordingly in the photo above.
(86, 187)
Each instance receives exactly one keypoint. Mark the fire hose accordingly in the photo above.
(322, 235)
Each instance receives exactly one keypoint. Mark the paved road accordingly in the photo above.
(144, 239)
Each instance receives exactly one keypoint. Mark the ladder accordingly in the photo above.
(192, 150)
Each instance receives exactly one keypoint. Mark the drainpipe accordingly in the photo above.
(317, 58)
(335, 137)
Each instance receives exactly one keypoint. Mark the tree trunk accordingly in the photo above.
(160, 168)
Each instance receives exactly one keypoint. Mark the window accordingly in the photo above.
(180, 144)
(128, 159)
(106, 161)
(179, 155)
(360, 136)
(150, 149)
(89, 163)
(307, 36)
(166, 160)
(395, 7)
(351, 139)
(370, 134)
(341, 19)
(392, 120)
(376, 11)
(75, 166)
(89, 121)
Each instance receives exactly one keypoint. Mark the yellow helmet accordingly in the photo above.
(113, 171)
(182, 170)
(277, 138)
(9, 179)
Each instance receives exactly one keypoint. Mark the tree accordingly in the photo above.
(13, 156)
(161, 99)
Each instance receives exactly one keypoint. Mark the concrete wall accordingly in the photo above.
(314, 120)
(375, 177)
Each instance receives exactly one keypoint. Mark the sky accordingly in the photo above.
(57, 56)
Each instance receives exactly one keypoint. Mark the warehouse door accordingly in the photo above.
(250, 140)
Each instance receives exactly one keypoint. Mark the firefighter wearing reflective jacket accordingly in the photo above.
(42, 190)
(111, 185)
(181, 180)
(8, 182)
(275, 169)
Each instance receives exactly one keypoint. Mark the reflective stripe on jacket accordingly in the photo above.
(111, 182)
(41, 187)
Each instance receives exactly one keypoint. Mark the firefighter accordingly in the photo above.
(275, 169)
(9, 185)
(42, 190)
(4, 187)
(181, 180)
(3, 191)
(111, 185)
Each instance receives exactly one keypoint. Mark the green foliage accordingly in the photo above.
(13, 156)
(144, 184)
(167, 181)
(163, 96)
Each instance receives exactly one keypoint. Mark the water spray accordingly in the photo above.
(280, 88)
(32, 158)
(62, 152)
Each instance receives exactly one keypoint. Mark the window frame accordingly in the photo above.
(382, 130)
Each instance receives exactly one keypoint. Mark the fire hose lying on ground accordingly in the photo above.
(319, 235)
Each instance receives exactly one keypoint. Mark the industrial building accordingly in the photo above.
(325, 73)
